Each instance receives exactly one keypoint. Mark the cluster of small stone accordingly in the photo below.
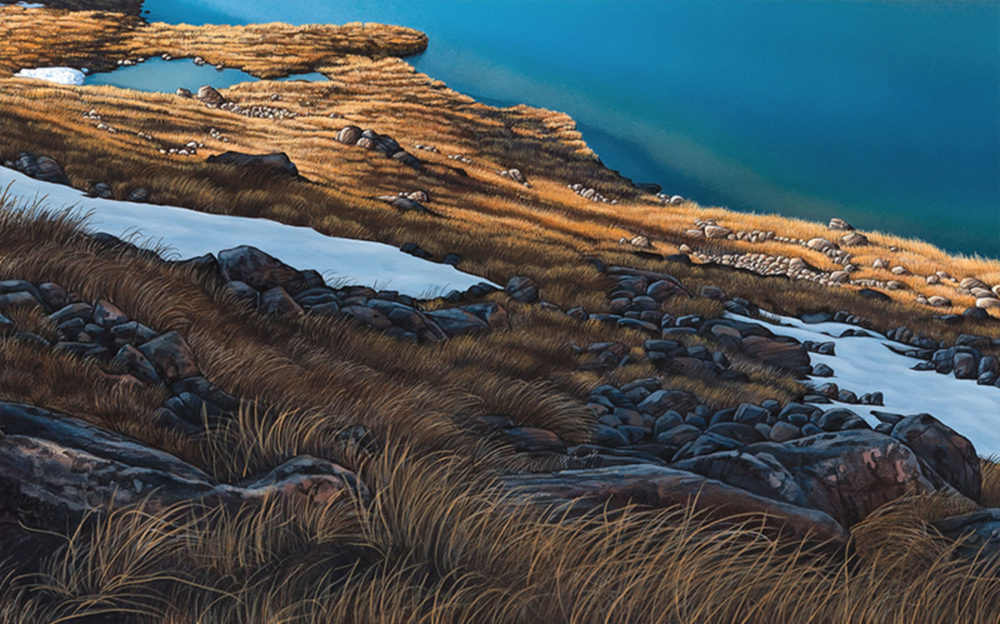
(375, 142)
(591, 193)
(103, 333)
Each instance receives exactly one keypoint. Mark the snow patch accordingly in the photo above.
(61, 75)
(867, 365)
(30, 5)
(190, 233)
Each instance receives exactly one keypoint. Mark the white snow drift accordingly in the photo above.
(191, 233)
(61, 75)
(867, 365)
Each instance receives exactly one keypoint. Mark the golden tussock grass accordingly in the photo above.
(439, 541)
(440, 544)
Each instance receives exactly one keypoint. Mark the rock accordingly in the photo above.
(854, 239)
(277, 162)
(131, 361)
(25, 420)
(416, 250)
(938, 301)
(605, 435)
(783, 431)
(640, 241)
(138, 195)
(965, 366)
(18, 299)
(101, 190)
(717, 231)
(305, 479)
(408, 159)
(107, 315)
(840, 277)
(59, 468)
(750, 414)
(171, 356)
(788, 355)
(849, 474)
(979, 534)
(184, 93)
(42, 168)
(712, 292)
(822, 370)
(368, 316)
(820, 244)
(493, 314)
(523, 289)
(457, 322)
(869, 293)
(950, 455)
(676, 200)
(516, 175)
(574, 492)
(660, 401)
(762, 476)
(836, 223)
(348, 135)
(404, 203)
(243, 292)
(987, 303)
(277, 301)
(259, 270)
(840, 419)
(678, 435)
(409, 319)
(210, 96)
(648, 187)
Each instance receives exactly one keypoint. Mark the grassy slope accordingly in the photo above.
(438, 544)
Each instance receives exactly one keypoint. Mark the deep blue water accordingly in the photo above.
(884, 112)
(167, 76)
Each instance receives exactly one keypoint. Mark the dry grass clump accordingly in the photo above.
(97, 39)
(439, 543)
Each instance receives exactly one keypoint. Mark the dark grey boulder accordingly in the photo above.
(849, 474)
(171, 356)
(138, 195)
(523, 289)
(277, 162)
(260, 270)
(948, 454)
(457, 322)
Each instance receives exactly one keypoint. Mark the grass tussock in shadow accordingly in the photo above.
(439, 542)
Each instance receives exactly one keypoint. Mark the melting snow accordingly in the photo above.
(61, 75)
(191, 233)
(867, 365)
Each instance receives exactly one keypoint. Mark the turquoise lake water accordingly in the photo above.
(167, 76)
(883, 112)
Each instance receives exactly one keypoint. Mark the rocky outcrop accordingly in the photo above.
(55, 467)
(264, 282)
(574, 492)
(847, 474)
